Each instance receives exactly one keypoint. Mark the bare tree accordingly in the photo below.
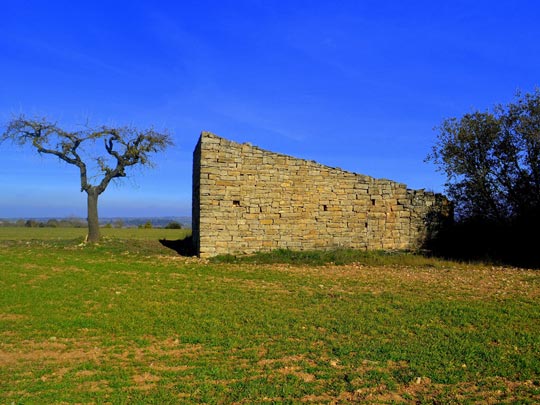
(123, 147)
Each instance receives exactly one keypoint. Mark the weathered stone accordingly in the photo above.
(246, 199)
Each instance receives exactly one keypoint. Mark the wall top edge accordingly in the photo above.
(207, 135)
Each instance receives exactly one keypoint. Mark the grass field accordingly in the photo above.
(22, 233)
(129, 321)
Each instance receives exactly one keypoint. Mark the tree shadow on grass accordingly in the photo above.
(184, 247)
(514, 244)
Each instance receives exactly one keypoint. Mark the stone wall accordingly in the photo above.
(246, 199)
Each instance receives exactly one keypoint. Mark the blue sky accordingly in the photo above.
(353, 84)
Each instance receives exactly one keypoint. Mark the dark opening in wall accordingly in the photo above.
(325, 207)
(236, 203)
(373, 202)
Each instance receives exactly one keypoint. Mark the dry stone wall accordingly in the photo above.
(246, 199)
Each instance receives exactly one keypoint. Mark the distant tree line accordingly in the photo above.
(170, 225)
(81, 223)
(49, 223)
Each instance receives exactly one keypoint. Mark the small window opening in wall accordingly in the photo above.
(236, 203)
(373, 202)
(325, 207)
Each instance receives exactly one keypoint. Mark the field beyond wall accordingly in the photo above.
(130, 321)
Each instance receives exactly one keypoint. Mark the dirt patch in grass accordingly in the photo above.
(256, 285)
(38, 278)
(12, 317)
(473, 281)
(145, 381)
(181, 259)
(85, 373)
(59, 362)
(58, 374)
(46, 353)
(422, 390)
(508, 392)
(94, 386)
(70, 351)
(284, 360)
(297, 372)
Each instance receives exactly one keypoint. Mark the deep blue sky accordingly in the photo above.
(354, 84)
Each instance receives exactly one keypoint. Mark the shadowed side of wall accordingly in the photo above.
(246, 200)
(196, 198)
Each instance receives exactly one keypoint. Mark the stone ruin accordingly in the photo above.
(246, 200)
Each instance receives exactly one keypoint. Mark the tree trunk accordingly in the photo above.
(93, 221)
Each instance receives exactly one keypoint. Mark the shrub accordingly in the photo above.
(173, 225)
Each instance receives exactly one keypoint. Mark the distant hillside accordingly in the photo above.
(157, 222)
(124, 222)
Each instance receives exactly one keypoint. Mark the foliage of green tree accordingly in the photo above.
(52, 223)
(173, 225)
(492, 160)
(492, 164)
(147, 225)
(122, 147)
(31, 223)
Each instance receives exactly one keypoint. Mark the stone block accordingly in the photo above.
(288, 202)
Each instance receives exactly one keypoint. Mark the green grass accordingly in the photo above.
(23, 233)
(336, 256)
(129, 321)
